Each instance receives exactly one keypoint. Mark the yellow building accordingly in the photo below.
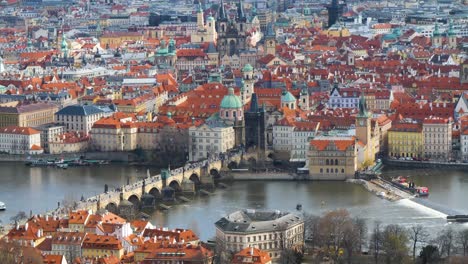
(31, 115)
(95, 246)
(337, 30)
(77, 220)
(116, 39)
(405, 140)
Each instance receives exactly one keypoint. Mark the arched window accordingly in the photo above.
(326, 162)
(234, 114)
(227, 114)
(342, 170)
(336, 161)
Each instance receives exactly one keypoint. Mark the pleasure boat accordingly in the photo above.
(2, 206)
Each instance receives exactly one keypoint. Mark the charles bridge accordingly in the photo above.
(179, 179)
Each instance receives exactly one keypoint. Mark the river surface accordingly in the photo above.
(39, 189)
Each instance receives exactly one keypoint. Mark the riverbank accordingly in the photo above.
(424, 164)
(265, 176)
(381, 189)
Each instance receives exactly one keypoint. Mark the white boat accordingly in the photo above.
(2, 206)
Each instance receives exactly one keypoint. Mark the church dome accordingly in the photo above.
(210, 18)
(231, 101)
(247, 67)
(287, 97)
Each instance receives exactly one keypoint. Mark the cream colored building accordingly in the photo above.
(20, 140)
(437, 138)
(270, 231)
(29, 115)
(205, 32)
(71, 142)
(333, 158)
(113, 134)
(208, 139)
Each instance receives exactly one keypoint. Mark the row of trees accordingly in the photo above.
(340, 238)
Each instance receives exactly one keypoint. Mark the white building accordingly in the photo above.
(80, 118)
(292, 137)
(437, 134)
(344, 97)
(209, 139)
(271, 231)
(464, 143)
(20, 140)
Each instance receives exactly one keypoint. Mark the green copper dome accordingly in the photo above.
(231, 101)
(247, 67)
(210, 18)
(287, 97)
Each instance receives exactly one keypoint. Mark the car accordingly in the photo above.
(409, 158)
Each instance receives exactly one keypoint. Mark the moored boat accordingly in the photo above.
(2, 206)
(403, 183)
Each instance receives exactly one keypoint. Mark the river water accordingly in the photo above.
(39, 189)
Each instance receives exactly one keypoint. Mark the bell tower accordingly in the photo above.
(363, 122)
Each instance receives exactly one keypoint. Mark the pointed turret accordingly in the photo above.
(240, 11)
(254, 104)
(363, 112)
(222, 12)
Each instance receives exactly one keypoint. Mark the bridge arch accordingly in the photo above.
(155, 192)
(112, 207)
(214, 172)
(134, 199)
(195, 178)
(233, 165)
(174, 184)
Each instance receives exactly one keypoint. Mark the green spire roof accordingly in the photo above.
(363, 107)
(247, 67)
(436, 32)
(450, 31)
(231, 101)
(287, 97)
(64, 43)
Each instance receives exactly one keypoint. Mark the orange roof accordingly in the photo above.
(19, 130)
(78, 217)
(93, 241)
(255, 256)
(342, 144)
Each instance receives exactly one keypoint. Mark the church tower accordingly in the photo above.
(436, 37)
(232, 113)
(451, 36)
(363, 123)
(304, 99)
(249, 81)
(255, 126)
(200, 18)
(270, 40)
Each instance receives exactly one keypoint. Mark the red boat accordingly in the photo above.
(410, 186)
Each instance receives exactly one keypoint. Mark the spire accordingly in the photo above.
(240, 10)
(436, 32)
(363, 107)
(254, 103)
(450, 31)
(222, 11)
(200, 9)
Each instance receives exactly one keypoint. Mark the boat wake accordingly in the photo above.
(421, 208)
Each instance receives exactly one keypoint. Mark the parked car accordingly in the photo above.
(409, 158)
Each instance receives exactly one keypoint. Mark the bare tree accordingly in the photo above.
(351, 240)
(361, 226)
(222, 252)
(334, 226)
(445, 241)
(21, 215)
(312, 230)
(376, 241)
(394, 244)
(462, 241)
(417, 234)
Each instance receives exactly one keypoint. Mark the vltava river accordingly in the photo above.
(39, 189)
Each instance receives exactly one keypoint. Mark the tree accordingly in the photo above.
(394, 244)
(376, 241)
(429, 254)
(351, 240)
(417, 234)
(361, 226)
(290, 256)
(445, 241)
(222, 252)
(21, 215)
(462, 241)
(312, 230)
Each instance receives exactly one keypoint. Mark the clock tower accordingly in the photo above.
(363, 123)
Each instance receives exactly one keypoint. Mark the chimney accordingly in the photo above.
(251, 251)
